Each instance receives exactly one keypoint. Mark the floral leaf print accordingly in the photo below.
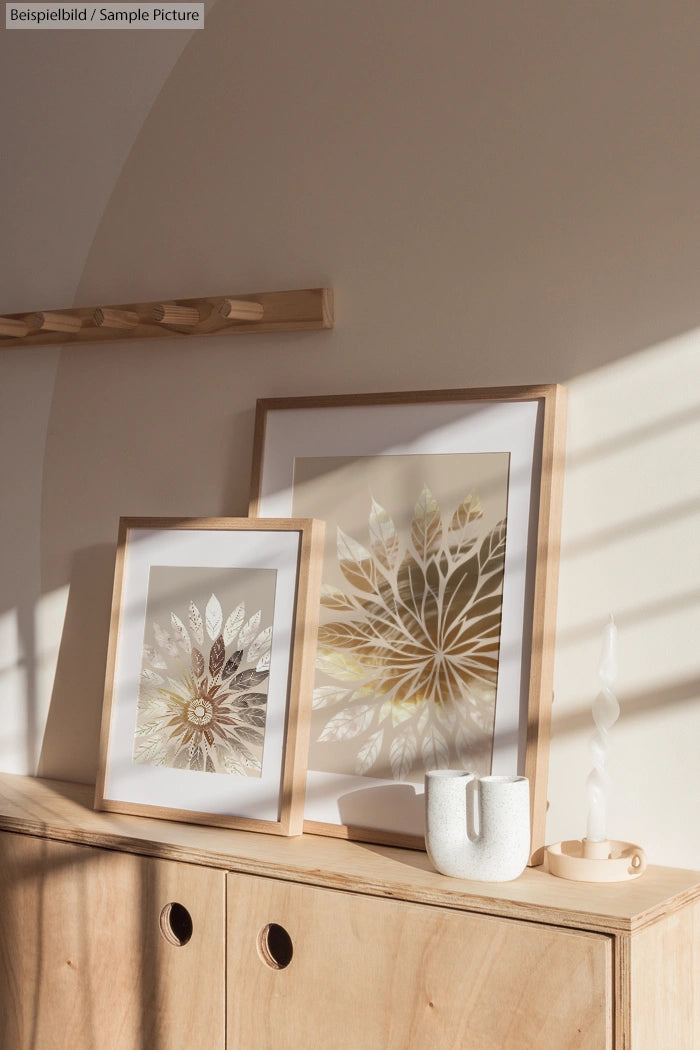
(416, 634)
(209, 716)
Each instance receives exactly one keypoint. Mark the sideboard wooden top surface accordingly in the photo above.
(64, 811)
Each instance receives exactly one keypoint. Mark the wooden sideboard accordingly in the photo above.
(128, 933)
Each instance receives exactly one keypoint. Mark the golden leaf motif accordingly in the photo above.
(333, 598)
(356, 563)
(418, 634)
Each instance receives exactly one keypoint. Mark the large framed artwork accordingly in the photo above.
(438, 596)
(210, 671)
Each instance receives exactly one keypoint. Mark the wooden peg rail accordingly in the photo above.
(306, 309)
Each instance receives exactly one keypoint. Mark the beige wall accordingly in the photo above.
(499, 194)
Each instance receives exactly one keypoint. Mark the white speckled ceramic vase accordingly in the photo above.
(477, 827)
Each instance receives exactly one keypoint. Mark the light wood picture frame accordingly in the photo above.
(436, 636)
(210, 671)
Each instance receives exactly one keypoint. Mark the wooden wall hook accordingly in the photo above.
(173, 313)
(108, 317)
(12, 328)
(241, 310)
(53, 321)
(298, 310)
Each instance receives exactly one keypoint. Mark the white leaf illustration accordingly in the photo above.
(151, 676)
(214, 617)
(145, 728)
(340, 666)
(261, 645)
(402, 712)
(384, 537)
(152, 706)
(196, 623)
(326, 695)
(348, 723)
(350, 550)
(263, 663)
(153, 656)
(402, 755)
(448, 714)
(464, 748)
(435, 750)
(423, 718)
(369, 753)
(181, 633)
(356, 563)
(233, 623)
(164, 640)
(333, 598)
(385, 710)
(249, 630)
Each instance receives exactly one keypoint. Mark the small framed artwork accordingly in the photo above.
(438, 596)
(210, 671)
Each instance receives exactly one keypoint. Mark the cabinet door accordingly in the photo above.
(94, 957)
(310, 967)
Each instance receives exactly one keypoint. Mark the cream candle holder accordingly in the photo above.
(606, 861)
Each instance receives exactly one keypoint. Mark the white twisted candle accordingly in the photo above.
(606, 711)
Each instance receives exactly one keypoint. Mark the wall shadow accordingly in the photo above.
(70, 747)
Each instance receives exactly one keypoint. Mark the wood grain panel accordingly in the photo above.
(665, 969)
(391, 975)
(64, 811)
(83, 964)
